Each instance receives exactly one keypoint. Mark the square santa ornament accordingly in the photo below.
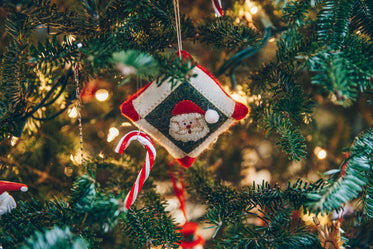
(186, 118)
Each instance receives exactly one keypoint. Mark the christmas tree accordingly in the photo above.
(295, 172)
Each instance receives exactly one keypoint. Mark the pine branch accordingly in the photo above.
(362, 18)
(333, 22)
(159, 230)
(12, 97)
(334, 72)
(175, 69)
(222, 33)
(55, 238)
(367, 199)
(285, 236)
(52, 55)
(358, 52)
(295, 13)
(229, 209)
(290, 139)
(96, 211)
(86, 212)
(346, 188)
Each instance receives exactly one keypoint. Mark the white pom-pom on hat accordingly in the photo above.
(211, 116)
(24, 189)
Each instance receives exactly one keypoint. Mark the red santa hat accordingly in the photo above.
(188, 106)
(12, 186)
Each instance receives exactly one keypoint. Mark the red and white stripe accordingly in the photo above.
(217, 7)
(148, 164)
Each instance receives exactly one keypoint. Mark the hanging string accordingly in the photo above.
(179, 191)
(76, 77)
(178, 25)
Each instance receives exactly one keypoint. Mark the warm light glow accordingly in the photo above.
(254, 10)
(102, 94)
(320, 152)
(272, 39)
(101, 155)
(256, 99)
(73, 112)
(239, 96)
(308, 219)
(14, 141)
(68, 171)
(71, 38)
(113, 133)
(77, 159)
(235, 96)
(126, 124)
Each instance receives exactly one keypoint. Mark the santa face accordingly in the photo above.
(188, 127)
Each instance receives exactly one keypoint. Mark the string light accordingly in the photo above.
(320, 153)
(102, 95)
(252, 7)
(13, 140)
(113, 133)
(254, 10)
(73, 112)
(101, 155)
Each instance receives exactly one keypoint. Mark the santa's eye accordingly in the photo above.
(190, 122)
(184, 123)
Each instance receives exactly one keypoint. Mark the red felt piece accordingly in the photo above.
(10, 186)
(240, 111)
(186, 161)
(189, 229)
(186, 106)
(127, 108)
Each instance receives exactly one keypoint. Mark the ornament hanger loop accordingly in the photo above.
(178, 25)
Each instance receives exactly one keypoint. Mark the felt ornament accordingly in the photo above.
(7, 202)
(187, 118)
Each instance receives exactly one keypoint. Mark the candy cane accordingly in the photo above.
(148, 164)
(217, 7)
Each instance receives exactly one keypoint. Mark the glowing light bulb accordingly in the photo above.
(14, 141)
(73, 112)
(254, 10)
(101, 155)
(113, 133)
(235, 96)
(102, 95)
(320, 153)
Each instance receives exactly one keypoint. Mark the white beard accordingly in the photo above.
(188, 127)
(7, 203)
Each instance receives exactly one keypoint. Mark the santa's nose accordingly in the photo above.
(188, 126)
